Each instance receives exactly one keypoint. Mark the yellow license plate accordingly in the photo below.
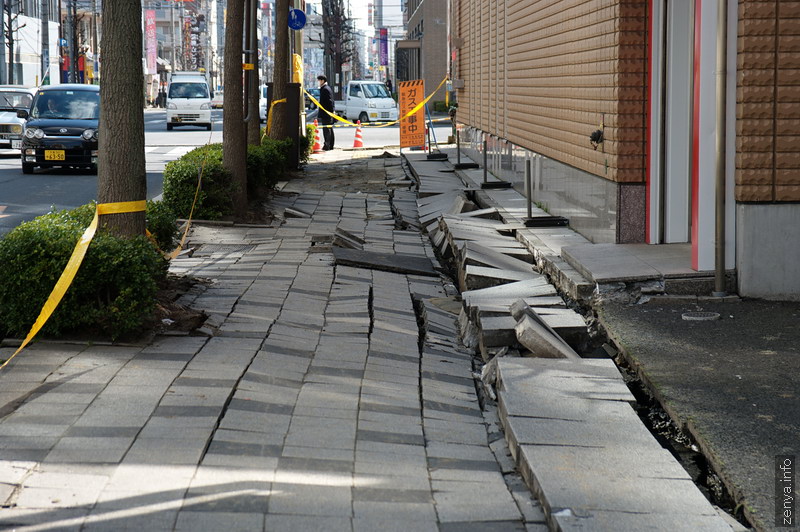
(54, 155)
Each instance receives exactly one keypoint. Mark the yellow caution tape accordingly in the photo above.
(419, 106)
(175, 252)
(74, 263)
(269, 116)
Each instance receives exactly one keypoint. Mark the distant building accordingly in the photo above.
(423, 53)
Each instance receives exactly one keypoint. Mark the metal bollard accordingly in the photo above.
(528, 187)
(458, 147)
(485, 161)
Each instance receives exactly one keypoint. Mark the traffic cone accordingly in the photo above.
(317, 146)
(358, 142)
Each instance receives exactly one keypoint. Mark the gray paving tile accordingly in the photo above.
(244, 449)
(413, 511)
(392, 495)
(191, 521)
(288, 463)
(483, 526)
(69, 519)
(304, 523)
(305, 500)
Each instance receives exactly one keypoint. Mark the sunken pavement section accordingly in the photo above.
(322, 397)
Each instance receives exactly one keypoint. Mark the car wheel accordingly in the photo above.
(27, 168)
(169, 127)
(364, 117)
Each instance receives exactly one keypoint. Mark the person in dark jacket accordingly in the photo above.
(326, 101)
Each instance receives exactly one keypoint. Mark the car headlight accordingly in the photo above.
(171, 106)
(205, 106)
(372, 104)
(34, 133)
(16, 129)
(89, 134)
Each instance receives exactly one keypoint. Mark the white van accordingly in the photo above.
(188, 100)
(368, 101)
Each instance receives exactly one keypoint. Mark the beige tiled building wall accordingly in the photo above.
(768, 102)
(546, 74)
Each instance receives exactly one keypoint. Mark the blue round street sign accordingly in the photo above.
(297, 19)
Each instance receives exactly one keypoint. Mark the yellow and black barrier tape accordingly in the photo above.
(416, 108)
(73, 264)
(348, 126)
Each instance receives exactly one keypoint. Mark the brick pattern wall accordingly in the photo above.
(768, 101)
(546, 73)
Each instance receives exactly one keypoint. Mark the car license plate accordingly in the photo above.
(54, 155)
(16, 144)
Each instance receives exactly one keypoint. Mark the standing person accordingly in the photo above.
(389, 85)
(326, 101)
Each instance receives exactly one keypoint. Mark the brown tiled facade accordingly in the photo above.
(546, 74)
(768, 102)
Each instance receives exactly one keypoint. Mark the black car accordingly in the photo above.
(62, 128)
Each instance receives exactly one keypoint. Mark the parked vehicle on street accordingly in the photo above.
(308, 103)
(368, 101)
(12, 99)
(61, 128)
(263, 97)
(218, 100)
(188, 100)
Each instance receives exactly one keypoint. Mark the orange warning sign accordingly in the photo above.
(412, 129)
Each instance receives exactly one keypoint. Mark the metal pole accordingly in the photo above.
(45, 41)
(485, 160)
(528, 187)
(722, 57)
(172, 35)
(458, 146)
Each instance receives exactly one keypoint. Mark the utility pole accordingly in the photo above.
(72, 9)
(45, 79)
(95, 48)
(9, 31)
(172, 34)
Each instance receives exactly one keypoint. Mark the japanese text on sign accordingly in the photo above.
(412, 129)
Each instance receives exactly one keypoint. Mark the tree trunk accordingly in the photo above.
(280, 76)
(234, 142)
(121, 166)
(254, 124)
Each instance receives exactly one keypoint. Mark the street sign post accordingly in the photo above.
(297, 19)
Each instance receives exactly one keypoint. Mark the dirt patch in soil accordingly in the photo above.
(170, 315)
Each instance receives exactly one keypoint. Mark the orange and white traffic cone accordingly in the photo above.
(317, 146)
(358, 142)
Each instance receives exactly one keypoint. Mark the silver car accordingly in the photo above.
(12, 98)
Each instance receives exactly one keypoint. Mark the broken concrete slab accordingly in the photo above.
(391, 262)
(541, 341)
(476, 277)
(477, 254)
(532, 379)
(347, 239)
(526, 288)
(539, 326)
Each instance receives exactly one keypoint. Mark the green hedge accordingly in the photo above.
(113, 291)
(180, 182)
(266, 165)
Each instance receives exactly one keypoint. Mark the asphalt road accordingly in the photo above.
(24, 197)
